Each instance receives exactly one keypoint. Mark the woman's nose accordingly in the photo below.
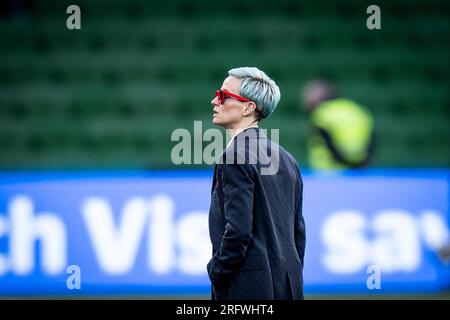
(214, 102)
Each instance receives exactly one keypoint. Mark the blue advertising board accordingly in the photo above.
(146, 233)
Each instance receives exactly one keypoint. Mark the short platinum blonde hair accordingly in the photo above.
(259, 88)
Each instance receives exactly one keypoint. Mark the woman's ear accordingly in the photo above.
(249, 108)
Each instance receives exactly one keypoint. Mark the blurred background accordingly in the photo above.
(115, 90)
(108, 96)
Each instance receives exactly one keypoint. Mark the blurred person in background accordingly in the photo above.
(256, 224)
(342, 135)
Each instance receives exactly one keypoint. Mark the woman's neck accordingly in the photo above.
(242, 126)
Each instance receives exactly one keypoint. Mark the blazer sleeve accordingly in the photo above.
(238, 190)
(299, 223)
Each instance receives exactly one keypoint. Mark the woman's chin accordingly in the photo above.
(216, 121)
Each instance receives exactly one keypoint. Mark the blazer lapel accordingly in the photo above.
(214, 179)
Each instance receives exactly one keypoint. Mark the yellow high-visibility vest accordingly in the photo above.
(349, 126)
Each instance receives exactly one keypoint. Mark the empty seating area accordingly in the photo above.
(110, 95)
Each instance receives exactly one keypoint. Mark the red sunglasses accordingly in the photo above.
(222, 95)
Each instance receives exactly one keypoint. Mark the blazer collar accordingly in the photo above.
(239, 131)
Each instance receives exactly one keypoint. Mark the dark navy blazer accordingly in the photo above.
(256, 224)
